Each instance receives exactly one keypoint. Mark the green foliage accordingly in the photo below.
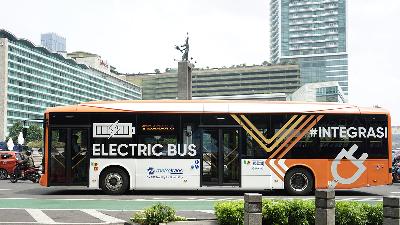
(300, 212)
(14, 131)
(34, 132)
(230, 212)
(156, 214)
(375, 213)
(358, 213)
(35, 144)
(275, 212)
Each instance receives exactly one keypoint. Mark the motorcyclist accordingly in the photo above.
(24, 164)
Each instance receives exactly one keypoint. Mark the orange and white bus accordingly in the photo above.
(216, 145)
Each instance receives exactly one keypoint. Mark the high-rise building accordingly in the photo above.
(32, 79)
(53, 42)
(313, 33)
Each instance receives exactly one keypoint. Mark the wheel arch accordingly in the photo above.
(306, 167)
(117, 166)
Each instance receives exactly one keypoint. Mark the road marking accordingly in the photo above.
(371, 199)
(5, 189)
(102, 216)
(395, 192)
(40, 217)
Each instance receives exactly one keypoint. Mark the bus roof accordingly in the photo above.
(216, 106)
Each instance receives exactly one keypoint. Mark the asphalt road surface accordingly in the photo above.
(28, 203)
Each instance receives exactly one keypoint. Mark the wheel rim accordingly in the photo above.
(299, 182)
(114, 181)
(3, 174)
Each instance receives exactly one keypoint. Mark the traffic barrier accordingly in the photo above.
(324, 207)
(391, 210)
(252, 209)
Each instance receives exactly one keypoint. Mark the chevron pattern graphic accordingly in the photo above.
(282, 141)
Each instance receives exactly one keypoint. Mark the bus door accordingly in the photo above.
(220, 157)
(68, 156)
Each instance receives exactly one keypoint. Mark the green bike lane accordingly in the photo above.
(102, 204)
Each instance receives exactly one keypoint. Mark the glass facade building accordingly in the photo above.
(53, 42)
(32, 79)
(313, 33)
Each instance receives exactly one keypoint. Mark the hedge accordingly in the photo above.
(300, 212)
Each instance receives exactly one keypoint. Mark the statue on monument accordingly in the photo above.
(184, 49)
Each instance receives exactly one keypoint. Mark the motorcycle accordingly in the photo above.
(22, 172)
(396, 171)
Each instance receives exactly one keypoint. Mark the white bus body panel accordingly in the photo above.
(167, 174)
(256, 175)
(98, 165)
(181, 174)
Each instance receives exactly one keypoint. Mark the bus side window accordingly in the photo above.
(252, 148)
(377, 141)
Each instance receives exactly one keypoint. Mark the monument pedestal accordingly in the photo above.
(184, 80)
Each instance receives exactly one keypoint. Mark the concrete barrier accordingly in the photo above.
(325, 207)
(252, 209)
(391, 210)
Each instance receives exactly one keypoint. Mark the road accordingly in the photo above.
(28, 203)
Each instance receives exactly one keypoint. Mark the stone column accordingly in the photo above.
(391, 210)
(324, 207)
(252, 209)
(184, 80)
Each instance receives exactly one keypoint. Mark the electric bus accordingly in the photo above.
(216, 145)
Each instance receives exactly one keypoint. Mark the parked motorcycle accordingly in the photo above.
(396, 171)
(22, 172)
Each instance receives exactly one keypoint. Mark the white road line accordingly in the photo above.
(371, 199)
(40, 217)
(5, 189)
(347, 199)
(102, 216)
(395, 192)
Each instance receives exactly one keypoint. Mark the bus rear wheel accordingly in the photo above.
(299, 181)
(114, 181)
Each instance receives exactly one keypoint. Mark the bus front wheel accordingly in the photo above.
(114, 181)
(299, 181)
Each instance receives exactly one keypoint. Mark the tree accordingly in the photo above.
(157, 71)
(34, 132)
(14, 131)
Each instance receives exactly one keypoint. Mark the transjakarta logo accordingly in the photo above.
(127, 150)
(349, 132)
(172, 171)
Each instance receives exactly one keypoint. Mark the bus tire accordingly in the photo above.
(299, 181)
(114, 181)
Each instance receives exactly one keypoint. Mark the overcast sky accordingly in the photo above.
(139, 36)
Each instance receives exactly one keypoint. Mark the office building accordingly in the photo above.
(32, 79)
(53, 42)
(329, 91)
(224, 82)
(313, 34)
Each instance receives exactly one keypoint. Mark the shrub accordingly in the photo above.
(156, 214)
(375, 214)
(229, 213)
(300, 212)
(350, 213)
(275, 212)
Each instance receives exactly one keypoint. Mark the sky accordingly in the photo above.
(139, 36)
